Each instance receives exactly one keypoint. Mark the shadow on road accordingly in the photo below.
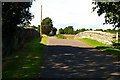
(78, 62)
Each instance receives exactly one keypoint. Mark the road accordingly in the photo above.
(73, 59)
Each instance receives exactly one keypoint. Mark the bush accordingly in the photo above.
(116, 44)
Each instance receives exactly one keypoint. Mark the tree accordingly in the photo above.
(69, 30)
(83, 29)
(13, 14)
(111, 10)
(47, 25)
(108, 30)
(76, 32)
(91, 29)
(61, 31)
(54, 30)
(98, 30)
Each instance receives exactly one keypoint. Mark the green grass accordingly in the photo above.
(103, 47)
(26, 62)
(91, 42)
(60, 36)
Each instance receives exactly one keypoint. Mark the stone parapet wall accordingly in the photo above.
(100, 36)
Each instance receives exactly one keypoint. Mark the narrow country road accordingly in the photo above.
(74, 59)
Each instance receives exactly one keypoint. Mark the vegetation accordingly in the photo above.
(70, 30)
(111, 10)
(14, 14)
(60, 36)
(107, 49)
(26, 62)
(47, 27)
(98, 30)
(61, 31)
(112, 31)
(53, 31)
(91, 42)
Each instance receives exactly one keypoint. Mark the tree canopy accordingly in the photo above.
(70, 30)
(13, 14)
(61, 31)
(111, 10)
(47, 25)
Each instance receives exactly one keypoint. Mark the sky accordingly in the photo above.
(76, 13)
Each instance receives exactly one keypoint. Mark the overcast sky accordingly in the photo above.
(76, 13)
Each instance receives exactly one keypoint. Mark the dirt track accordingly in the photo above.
(73, 59)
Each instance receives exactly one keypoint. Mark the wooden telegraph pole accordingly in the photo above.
(41, 22)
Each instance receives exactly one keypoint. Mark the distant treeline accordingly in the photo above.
(70, 30)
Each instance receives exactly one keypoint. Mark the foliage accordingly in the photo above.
(111, 10)
(13, 14)
(68, 30)
(113, 31)
(47, 25)
(61, 31)
(53, 31)
(26, 62)
(98, 30)
(116, 44)
(34, 27)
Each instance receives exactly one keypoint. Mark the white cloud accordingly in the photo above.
(67, 12)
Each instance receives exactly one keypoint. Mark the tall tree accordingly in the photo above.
(68, 30)
(14, 13)
(111, 10)
(61, 31)
(47, 25)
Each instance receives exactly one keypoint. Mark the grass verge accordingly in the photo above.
(26, 62)
(103, 47)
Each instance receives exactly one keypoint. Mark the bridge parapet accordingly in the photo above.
(100, 36)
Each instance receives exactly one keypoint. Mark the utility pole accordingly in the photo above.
(117, 34)
(41, 22)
